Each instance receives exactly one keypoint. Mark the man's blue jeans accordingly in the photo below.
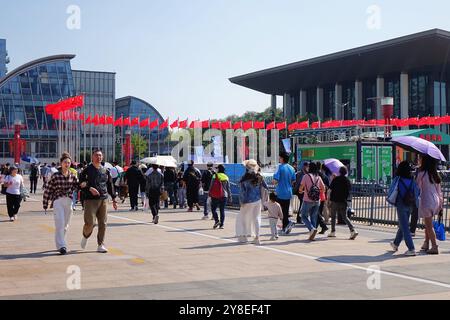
(219, 203)
(310, 212)
(403, 233)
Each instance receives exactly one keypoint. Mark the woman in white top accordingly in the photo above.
(14, 184)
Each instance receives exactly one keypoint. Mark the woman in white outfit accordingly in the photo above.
(14, 184)
(253, 191)
(59, 191)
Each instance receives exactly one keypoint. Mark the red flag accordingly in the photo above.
(145, 123)
(281, 125)
(135, 122)
(183, 124)
(195, 124)
(237, 125)
(174, 124)
(102, 120)
(109, 120)
(293, 126)
(225, 125)
(413, 121)
(96, 120)
(271, 126)
(205, 124)
(215, 125)
(82, 117)
(119, 122)
(303, 125)
(164, 125)
(259, 125)
(88, 120)
(315, 125)
(154, 124)
(126, 122)
(247, 125)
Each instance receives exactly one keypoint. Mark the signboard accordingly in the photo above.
(385, 164)
(368, 161)
(347, 154)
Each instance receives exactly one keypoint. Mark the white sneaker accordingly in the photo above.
(353, 235)
(332, 235)
(273, 238)
(242, 239)
(394, 247)
(83, 243)
(410, 253)
(205, 218)
(102, 249)
(257, 242)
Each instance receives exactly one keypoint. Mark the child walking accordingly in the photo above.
(275, 213)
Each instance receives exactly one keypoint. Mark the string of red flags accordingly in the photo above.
(58, 112)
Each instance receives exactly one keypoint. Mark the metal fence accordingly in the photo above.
(369, 204)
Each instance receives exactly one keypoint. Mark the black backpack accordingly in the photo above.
(314, 192)
(409, 197)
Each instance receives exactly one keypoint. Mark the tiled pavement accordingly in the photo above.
(184, 258)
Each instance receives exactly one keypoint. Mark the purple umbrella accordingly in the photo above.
(334, 165)
(415, 144)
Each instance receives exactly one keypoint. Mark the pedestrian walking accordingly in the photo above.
(142, 185)
(284, 178)
(192, 177)
(253, 193)
(154, 188)
(340, 192)
(34, 177)
(311, 186)
(181, 191)
(298, 181)
(408, 194)
(170, 179)
(206, 183)
(431, 200)
(59, 192)
(323, 199)
(220, 192)
(133, 178)
(14, 184)
(275, 214)
(96, 182)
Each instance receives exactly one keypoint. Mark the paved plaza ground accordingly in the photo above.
(184, 258)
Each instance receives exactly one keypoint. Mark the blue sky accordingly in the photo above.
(179, 54)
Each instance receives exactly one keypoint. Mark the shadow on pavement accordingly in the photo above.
(125, 224)
(362, 259)
(33, 255)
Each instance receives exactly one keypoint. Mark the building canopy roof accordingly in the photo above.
(414, 52)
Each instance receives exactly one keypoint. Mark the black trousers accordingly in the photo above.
(285, 204)
(320, 218)
(153, 201)
(13, 204)
(192, 196)
(33, 184)
(133, 191)
(414, 220)
(299, 214)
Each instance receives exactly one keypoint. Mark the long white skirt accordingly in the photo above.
(248, 221)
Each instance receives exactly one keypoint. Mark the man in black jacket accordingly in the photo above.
(133, 178)
(206, 183)
(96, 184)
(192, 177)
(170, 178)
(340, 192)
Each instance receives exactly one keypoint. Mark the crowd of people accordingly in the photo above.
(415, 195)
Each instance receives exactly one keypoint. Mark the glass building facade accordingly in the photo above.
(3, 58)
(24, 93)
(133, 107)
(99, 90)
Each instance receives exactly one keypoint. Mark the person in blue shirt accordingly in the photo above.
(284, 178)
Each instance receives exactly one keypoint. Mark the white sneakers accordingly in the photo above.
(257, 242)
(353, 235)
(332, 235)
(410, 253)
(102, 249)
(394, 247)
(83, 243)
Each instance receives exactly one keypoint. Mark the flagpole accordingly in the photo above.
(149, 141)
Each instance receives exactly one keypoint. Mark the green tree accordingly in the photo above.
(140, 146)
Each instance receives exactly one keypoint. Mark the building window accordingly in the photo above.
(369, 110)
(348, 101)
(420, 97)
(392, 90)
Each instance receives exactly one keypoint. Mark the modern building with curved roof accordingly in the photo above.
(413, 69)
(134, 107)
(24, 93)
